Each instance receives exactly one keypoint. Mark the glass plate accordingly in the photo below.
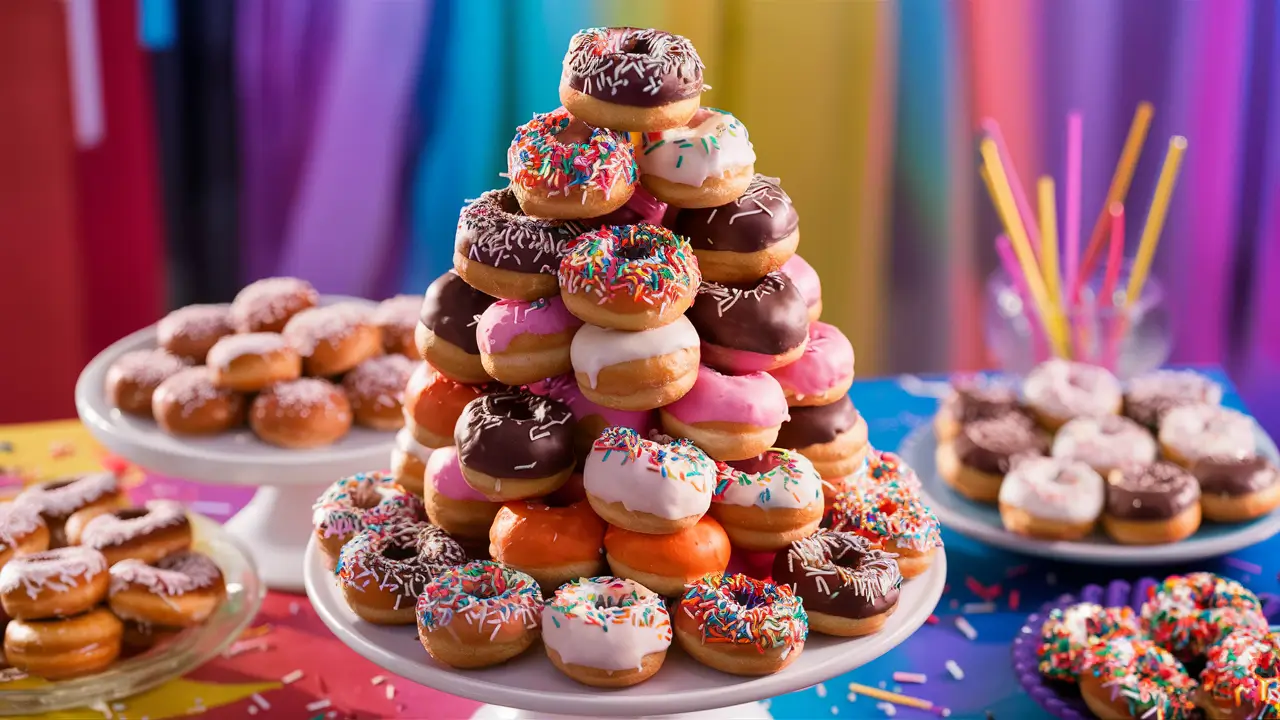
(245, 591)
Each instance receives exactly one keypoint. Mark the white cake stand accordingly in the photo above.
(276, 523)
(530, 687)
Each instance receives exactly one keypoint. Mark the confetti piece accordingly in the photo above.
(895, 698)
(851, 697)
(292, 677)
(835, 710)
(391, 691)
(965, 628)
(293, 608)
(377, 680)
(945, 712)
(260, 701)
(1014, 598)
(318, 705)
(61, 449)
(981, 608)
(932, 619)
(910, 677)
(1015, 571)
(887, 708)
(820, 689)
(954, 669)
(211, 507)
(118, 707)
(1244, 565)
(253, 709)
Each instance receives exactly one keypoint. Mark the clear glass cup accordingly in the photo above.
(1127, 343)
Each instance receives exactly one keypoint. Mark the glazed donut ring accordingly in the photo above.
(53, 583)
(504, 253)
(22, 530)
(741, 626)
(893, 518)
(731, 417)
(1058, 390)
(190, 332)
(179, 590)
(1051, 498)
(807, 282)
(526, 342)
(1151, 504)
(479, 614)
(333, 339)
(767, 502)
(606, 631)
(64, 648)
(1104, 443)
(833, 437)
(590, 419)
(562, 168)
(668, 563)
(645, 485)
(266, 305)
(383, 570)
(133, 378)
(823, 374)
(848, 588)
(1151, 395)
(452, 504)
(148, 533)
(635, 371)
(1191, 432)
(514, 444)
(1068, 632)
(432, 404)
(253, 361)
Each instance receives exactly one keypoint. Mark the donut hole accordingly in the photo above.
(748, 600)
(608, 602)
(131, 513)
(365, 498)
(575, 133)
(508, 204)
(634, 251)
(393, 551)
(637, 46)
(57, 484)
(517, 411)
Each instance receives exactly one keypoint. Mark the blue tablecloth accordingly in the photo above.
(989, 685)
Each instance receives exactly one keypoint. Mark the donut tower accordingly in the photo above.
(627, 380)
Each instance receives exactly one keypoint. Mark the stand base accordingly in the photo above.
(750, 711)
(275, 527)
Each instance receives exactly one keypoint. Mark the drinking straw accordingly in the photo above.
(1010, 263)
(1118, 191)
(1071, 261)
(1155, 219)
(895, 698)
(1049, 240)
(992, 129)
(1107, 297)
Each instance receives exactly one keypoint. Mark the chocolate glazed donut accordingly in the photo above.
(514, 444)
(745, 238)
(750, 327)
(522, 252)
(1151, 504)
(817, 424)
(989, 446)
(848, 588)
(630, 66)
(446, 332)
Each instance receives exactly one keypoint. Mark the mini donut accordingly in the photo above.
(741, 626)
(1057, 390)
(513, 444)
(479, 614)
(807, 282)
(631, 79)
(1237, 489)
(451, 503)
(64, 648)
(749, 327)
(58, 500)
(848, 587)
(179, 590)
(504, 253)
(1104, 443)
(53, 583)
(1051, 498)
(648, 486)
(750, 236)
(301, 414)
(705, 162)
(22, 530)
(589, 418)
(374, 388)
(1239, 677)
(833, 437)
(629, 277)
(635, 371)
(879, 469)
(553, 545)
(973, 398)
(666, 564)
(266, 305)
(446, 332)
(975, 462)
(384, 569)
(1151, 395)
(252, 361)
(893, 518)
(397, 318)
(189, 403)
(1188, 614)
(147, 533)
(1191, 432)
(823, 374)
(606, 631)
(1067, 634)
(767, 502)
(731, 417)
(133, 378)
(333, 339)
(409, 461)
(524, 342)
(433, 403)
(1132, 677)
(1151, 504)
(356, 502)
(562, 168)
(190, 332)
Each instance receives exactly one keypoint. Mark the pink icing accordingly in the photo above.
(445, 475)
(756, 399)
(642, 208)
(739, 361)
(565, 389)
(827, 362)
(805, 279)
(505, 320)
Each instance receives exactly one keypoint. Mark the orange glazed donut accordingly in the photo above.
(479, 614)
(432, 404)
(180, 590)
(553, 545)
(374, 388)
(383, 570)
(334, 338)
(299, 414)
(133, 378)
(53, 583)
(266, 305)
(71, 647)
(446, 332)
(631, 79)
(561, 168)
(667, 563)
(251, 362)
(22, 530)
(148, 533)
(60, 499)
(355, 502)
(397, 317)
(190, 332)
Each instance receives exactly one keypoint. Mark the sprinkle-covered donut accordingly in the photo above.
(560, 167)
(22, 530)
(1188, 614)
(740, 625)
(975, 462)
(1237, 489)
(53, 583)
(1051, 498)
(750, 236)
(514, 444)
(1068, 632)
(133, 378)
(507, 254)
(189, 332)
(446, 332)
(1148, 504)
(189, 403)
(848, 587)
(1105, 442)
(590, 418)
(1191, 432)
(524, 342)
(754, 326)
(807, 282)
(299, 414)
(1058, 390)
(147, 533)
(646, 485)
(1151, 395)
(706, 162)
(767, 502)
(1130, 676)
(179, 590)
(606, 631)
(823, 373)
(731, 417)
(629, 277)
(356, 502)
(383, 569)
(893, 518)
(249, 362)
(973, 398)
(479, 614)
(266, 305)
(1240, 675)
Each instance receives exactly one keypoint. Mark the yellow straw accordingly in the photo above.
(1129, 155)
(1155, 218)
(1049, 240)
(1053, 321)
(895, 698)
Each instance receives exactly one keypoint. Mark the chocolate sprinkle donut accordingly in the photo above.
(1151, 395)
(451, 309)
(515, 434)
(630, 66)
(767, 317)
(493, 231)
(974, 398)
(840, 574)
(1157, 491)
(762, 216)
(989, 446)
(1234, 476)
(817, 424)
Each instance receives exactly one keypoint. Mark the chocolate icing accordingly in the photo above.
(1234, 476)
(761, 217)
(816, 425)
(631, 66)
(839, 573)
(990, 445)
(492, 230)
(515, 434)
(767, 316)
(973, 399)
(452, 308)
(1150, 492)
(1150, 396)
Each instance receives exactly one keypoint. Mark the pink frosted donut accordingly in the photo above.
(523, 342)
(823, 373)
(807, 282)
(451, 503)
(591, 419)
(731, 417)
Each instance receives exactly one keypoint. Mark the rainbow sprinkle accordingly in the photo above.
(1244, 671)
(1186, 614)
(480, 592)
(610, 601)
(1069, 631)
(1152, 683)
(888, 513)
(641, 263)
(537, 160)
(738, 610)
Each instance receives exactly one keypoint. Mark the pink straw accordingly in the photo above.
(1110, 278)
(1071, 259)
(1039, 341)
(992, 129)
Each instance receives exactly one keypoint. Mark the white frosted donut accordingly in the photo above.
(785, 479)
(1064, 389)
(672, 480)
(1203, 430)
(1054, 489)
(1105, 442)
(595, 348)
(711, 145)
(606, 623)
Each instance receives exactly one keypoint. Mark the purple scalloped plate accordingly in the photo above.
(1063, 700)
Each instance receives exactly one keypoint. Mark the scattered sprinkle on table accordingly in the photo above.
(260, 701)
(980, 608)
(1244, 565)
(932, 619)
(965, 628)
(292, 677)
(377, 680)
(1014, 598)
(956, 671)
(910, 677)
(391, 691)
(820, 689)
(887, 708)
(318, 705)
(895, 698)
